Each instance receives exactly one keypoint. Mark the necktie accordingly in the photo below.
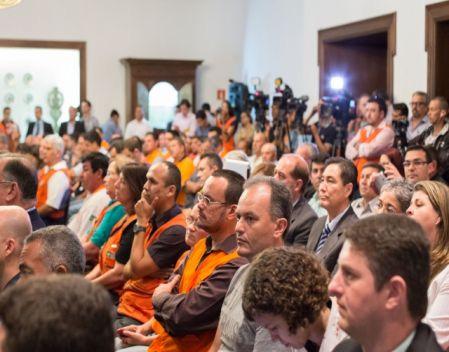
(324, 235)
(38, 128)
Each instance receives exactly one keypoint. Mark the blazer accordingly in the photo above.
(47, 128)
(301, 222)
(36, 221)
(79, 128)
(424, 340)
(332, 247)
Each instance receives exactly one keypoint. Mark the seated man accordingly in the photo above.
(95, 166)
(293, 311)
(53, 249)
(133, 149)
(56, 313)
(269, 153)
(151, 149)
(316, 172)
(187, 308)
(367, 203)
(326, 236)
(420, 164)
(158, 243)
(53, 192)
(15, 225)
(292, 170)
(381, 286)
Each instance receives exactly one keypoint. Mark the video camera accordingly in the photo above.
(300, 106)
(340, 106)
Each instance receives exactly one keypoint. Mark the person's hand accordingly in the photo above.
(314, 129)
(145, 209)
(167, 287)
(392, 173)
(136, 335)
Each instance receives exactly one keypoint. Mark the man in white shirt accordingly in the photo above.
(367, 204)
(95, 166)
(139, 126)
(185, 120)
(53, 192)
(418, 122)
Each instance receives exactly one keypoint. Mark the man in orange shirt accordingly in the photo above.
(151, 149)
(183, 163)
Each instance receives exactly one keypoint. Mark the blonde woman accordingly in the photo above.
(430, 208)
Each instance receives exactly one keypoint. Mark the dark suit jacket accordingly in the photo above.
(79, 128)
(332, 247)
(424, 340)
(36, 221)
(303, 218)
(47, 128)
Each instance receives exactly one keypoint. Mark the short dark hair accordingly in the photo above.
(395, 245)
(135, 176)
(443, 102)
(15, 170)
(185, 102)
(6, 108)
(200, 114)
(173, 176)
(402, 108)
(348, 172)
(133, 143)
(289, 282)
(97, 161)
(59, 246)
(57, 313)
(280, 200)
(93, 137)
(429, 151)
(319, 158)
(374, 165)
(87, 102)
(205, 106)
(213, 159)
(380, 103)
(114, 113)
(118, 144)
(234, 187)
(216, 129)
(423, 95)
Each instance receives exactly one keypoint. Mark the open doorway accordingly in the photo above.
(359, 56)
(437, 46)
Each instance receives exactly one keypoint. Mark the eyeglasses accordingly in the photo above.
(414, 163)
(6, 182)
(417, 103)
(207, 201)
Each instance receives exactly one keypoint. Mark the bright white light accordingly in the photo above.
(337, 83)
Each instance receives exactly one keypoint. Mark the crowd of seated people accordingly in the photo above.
(216, 235)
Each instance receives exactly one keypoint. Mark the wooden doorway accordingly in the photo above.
(437, 47)
(361, 53)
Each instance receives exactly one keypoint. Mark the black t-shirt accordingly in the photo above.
(126, 242)
(327, 134)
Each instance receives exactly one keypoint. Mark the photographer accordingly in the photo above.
(400, 126)
(324, 132)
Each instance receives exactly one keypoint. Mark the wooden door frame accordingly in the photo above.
(435, 13)
(55, 44)
(385, 23)
(152, 71)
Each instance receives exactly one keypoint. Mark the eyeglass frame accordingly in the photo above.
(207, 201)
(408, 163)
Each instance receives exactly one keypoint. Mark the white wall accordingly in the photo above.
(282, 40)
(209, 30)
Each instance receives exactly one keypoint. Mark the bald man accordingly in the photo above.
(293, 171)
(269, 153)
(15, 225)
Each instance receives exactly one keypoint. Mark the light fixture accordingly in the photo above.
(337, 83)
(8, 3)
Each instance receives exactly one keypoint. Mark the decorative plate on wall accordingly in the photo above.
(10, 79)
(27, 79)
(28, 98)
(9, 98)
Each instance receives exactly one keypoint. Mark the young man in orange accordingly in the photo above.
(187, 308)
(151, 149)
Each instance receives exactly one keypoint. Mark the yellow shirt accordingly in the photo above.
(187, 169)
(156, 153)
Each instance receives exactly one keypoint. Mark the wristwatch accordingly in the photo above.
(138, 229)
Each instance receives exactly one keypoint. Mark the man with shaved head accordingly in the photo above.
(15, 225)
(269, 153)
(293, 171)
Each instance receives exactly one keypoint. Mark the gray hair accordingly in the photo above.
(56, 141)
(281, 198)
(402, 191)
(59, 246)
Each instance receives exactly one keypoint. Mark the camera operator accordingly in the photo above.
(372, 140)
(324, 132)
(400, 126)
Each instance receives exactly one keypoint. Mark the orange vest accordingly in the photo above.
(110, 248)
(135, 301)
(187, 169)
(100, 219)
(194, 273)
(359, 162)
(42, 190)
(228, 144)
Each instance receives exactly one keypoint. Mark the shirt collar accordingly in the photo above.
(424, 120)
(406, 343)
(227, 246)
(161, 219)
(332, 224)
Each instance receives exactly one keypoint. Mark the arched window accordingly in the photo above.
(162, 101)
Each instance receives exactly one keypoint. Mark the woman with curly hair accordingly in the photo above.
(430, 208)
(286, 293)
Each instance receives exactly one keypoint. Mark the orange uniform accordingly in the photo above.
(359, 162)
(187, 168)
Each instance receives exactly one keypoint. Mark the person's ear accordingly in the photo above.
(232, 211)
(61, 269)
(432, 168)
(395, 293)
(348, 189)
(299, 184)
(281, 226)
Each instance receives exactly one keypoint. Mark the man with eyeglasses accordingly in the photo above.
(187, 307)
(419, 164)
(418, 122)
